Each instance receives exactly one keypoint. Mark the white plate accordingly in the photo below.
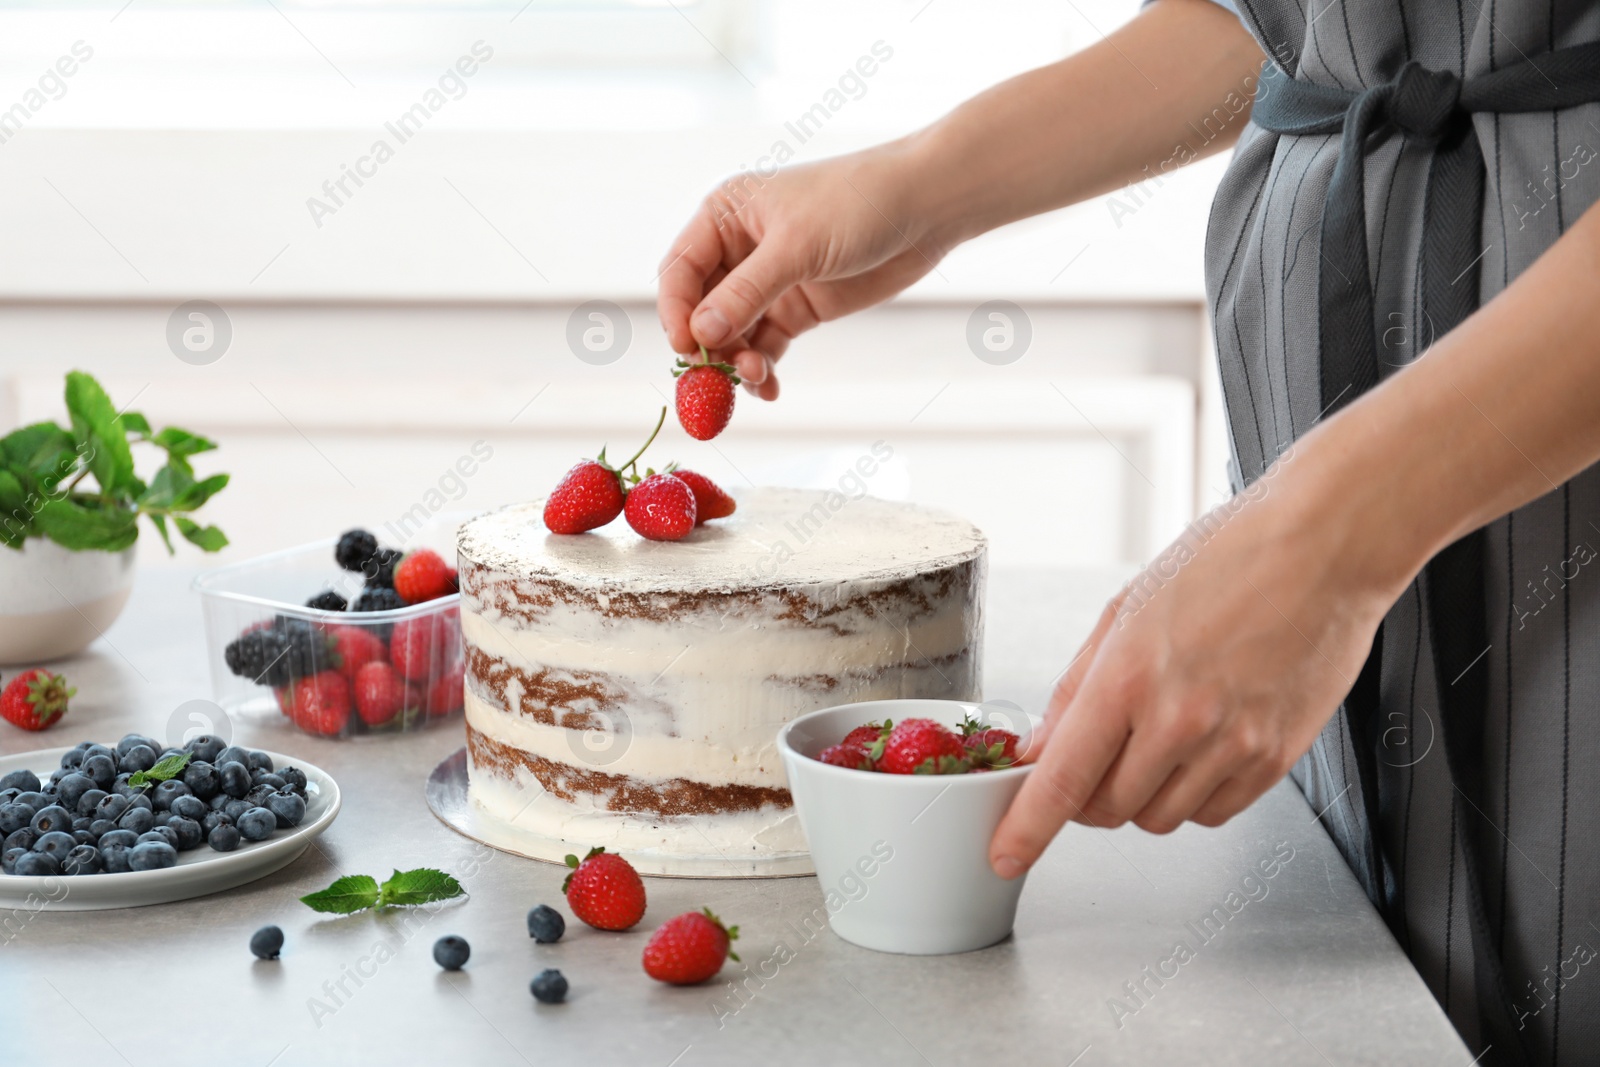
(199, 871)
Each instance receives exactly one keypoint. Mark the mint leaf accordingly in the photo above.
(99, 432)
(133, 422)
(208, 538)
(41, 451)
(352, 893)
(182, 443)
(168, 768)
(419, 887)
(74, 525)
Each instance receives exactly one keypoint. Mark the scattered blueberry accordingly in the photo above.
(55, 844)
(121, 787)
(257, 824)
(268, 778)
(85, 859)
(152, 856)
(131, 741)
(99, 828)
(36, 863)
(295, 778)
(8, 859)
(214, 819)
(223, 837)
(163, 817)
(141, 799)
(257, 797)
(260, 761)
(233, 754)
(287, 807)
(23, 838)
(91, 800)
(34, 799)
(235, 808)
(266, 943)
(165, 835)
(549, 986)
(72, 758)
(220, 801)
(451, 952)
(545, 924)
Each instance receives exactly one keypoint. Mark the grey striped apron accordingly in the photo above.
(1422, 155)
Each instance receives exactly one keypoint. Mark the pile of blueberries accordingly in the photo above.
(88, 819)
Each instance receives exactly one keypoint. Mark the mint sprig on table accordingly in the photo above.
(166, 769)
(44, 467)
(358, 892)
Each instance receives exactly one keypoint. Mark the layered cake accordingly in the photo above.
(628, 693)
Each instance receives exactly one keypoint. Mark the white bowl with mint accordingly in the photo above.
(71, 501)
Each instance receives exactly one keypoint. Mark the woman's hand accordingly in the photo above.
(766, 258)
(1211, 672)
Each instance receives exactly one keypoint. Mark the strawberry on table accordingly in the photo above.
(34, 699)
(423, 575)
(922, 746)
(689, 948)
(710, 502)
(661, 508)
(705, 396)
(604, 890)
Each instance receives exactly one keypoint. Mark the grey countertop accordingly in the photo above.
(1296, 967)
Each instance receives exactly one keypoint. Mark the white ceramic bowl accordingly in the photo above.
(904, 858)
(57, 601)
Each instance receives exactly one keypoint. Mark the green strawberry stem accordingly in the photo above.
(660, 421)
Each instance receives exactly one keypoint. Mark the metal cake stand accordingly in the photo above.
(448, 799)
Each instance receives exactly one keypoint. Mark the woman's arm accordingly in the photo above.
(1207, 679)
(769, 256)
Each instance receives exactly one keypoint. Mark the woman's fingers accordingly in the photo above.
(1071, 679)
(753, 284)
(694, 256)
(1083, 744)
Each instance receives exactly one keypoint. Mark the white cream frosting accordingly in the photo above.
(702, 694)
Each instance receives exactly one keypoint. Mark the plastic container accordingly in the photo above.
(311, 685)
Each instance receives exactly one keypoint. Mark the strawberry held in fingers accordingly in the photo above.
(424, 575)
(705, 396)
(689, 948)
(661, 507)
(34, 699)
(710, 502)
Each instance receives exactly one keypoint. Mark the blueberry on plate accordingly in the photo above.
(214, 819)
(235, 808)
(72, 758)
(257, 824)
(295, 778)
(36, 863)
(268, 778)
(257, 797)
(137, 820)
(234, 778)
(23, 779)
(131, 741)
(233, 754)
(288, 807)
(8, 859)
(23, 838)
(202, 779)
(90, 800)
(163, 834)
(163, 817)
(83, 837)
(451, 952)
(71, 788)
(188, 807)
(545, 924)
(85, 859)
(141, 799)
(152, 856)
(266, 943)
(102, 767)
(223, 837)
(168, 791)
(220, 801)
(549, 986)
(137, 758)
(205, 747)
(114, 850)
(55, 844)
(188, 832)
(54, 817)
(34, 799)
(259, 761)
(100, 828)
(14, 817)
(121, 788)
